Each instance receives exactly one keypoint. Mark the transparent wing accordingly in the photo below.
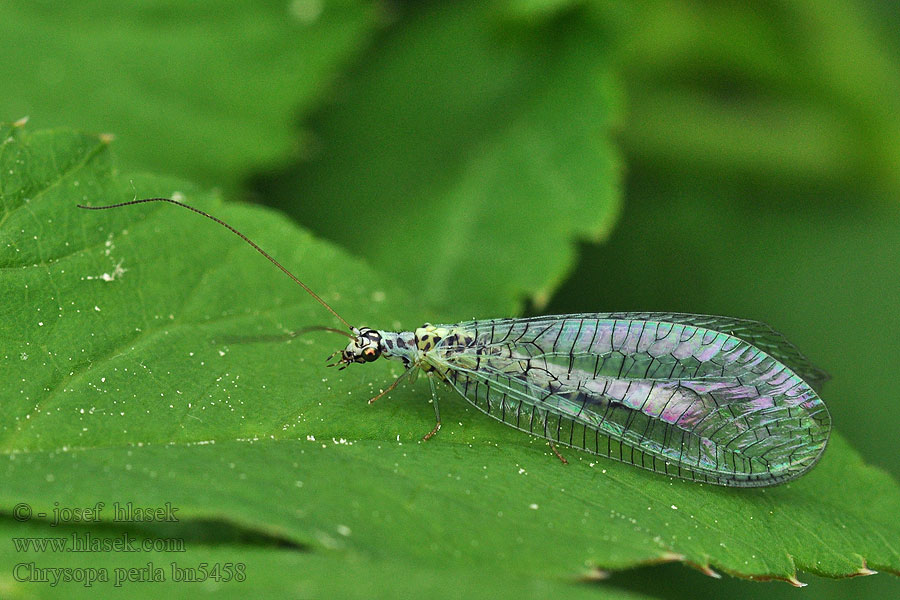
(670, 396)
(757, 333)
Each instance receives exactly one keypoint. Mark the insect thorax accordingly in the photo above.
(412, 346)
(400, 345)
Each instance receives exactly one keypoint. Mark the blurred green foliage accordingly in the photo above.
(205, 90)
(759, 143)
(469, 134)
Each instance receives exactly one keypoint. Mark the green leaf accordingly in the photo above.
(465, 155)
(123, 388)
(209, 91)
(269, 571)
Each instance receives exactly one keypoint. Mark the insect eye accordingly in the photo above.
(370, 354)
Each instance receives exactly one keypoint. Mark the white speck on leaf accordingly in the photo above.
(117, 272)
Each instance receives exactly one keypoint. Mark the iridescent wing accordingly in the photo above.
(756, 333)
(685, 395)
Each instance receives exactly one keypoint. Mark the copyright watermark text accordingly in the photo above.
(84, 541)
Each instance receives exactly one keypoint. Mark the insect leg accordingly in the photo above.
(390, 387)
(556, 452)
(437, 412)
(543, 417)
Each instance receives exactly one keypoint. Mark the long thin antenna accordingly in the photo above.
(234, 231)
(260, 339)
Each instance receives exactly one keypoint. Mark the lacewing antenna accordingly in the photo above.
(257, 339)
(246, 239)
(321, 328)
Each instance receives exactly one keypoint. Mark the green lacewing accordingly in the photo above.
(712, 399)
